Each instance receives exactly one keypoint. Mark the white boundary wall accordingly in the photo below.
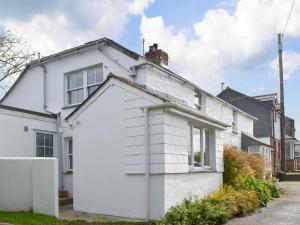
(29, 184)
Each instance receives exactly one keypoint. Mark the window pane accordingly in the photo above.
(190, 146)
(72, 96)
(48, 140)
(71, 161)
(79, 95)
(206, 148)
(92, 89)
(196, 147)
(71, 81)
(79, 80)
(40, 139)
(99, 75)
(70, 143)
(91, 77)
(48, 152)
(40, 152)
(196, 100)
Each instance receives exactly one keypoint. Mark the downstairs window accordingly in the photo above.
(200, 150)
(44, 144)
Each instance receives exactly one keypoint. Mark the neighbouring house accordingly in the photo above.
(132, 137)
(267, 128)
(292, 146)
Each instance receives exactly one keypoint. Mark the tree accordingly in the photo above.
(14, 56)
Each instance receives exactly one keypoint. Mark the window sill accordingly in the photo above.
(71, 106)
(69, 172)
(196, 170)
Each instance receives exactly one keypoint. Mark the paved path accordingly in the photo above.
(283, 211)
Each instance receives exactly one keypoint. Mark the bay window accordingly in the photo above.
(200, 149)
(81, 84)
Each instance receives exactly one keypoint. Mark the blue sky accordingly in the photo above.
(208, 41)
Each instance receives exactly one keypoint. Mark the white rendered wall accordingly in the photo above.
(29, 184)
(15, 141)
(179, 186)
(100, 182)
(109, 174)
(32, 82)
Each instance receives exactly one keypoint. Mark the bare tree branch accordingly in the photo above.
(14, 56)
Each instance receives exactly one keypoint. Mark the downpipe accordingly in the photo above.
(147, 165)
(58, 126)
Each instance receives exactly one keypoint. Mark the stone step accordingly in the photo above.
(63, 194)
(65, 201)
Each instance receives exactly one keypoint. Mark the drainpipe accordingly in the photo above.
(147, 165)
(58, 123)
(59, 150)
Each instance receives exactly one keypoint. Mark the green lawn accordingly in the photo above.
(28, 218)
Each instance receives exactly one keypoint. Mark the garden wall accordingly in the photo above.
(29, 184)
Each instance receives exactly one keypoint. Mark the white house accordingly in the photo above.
(132, 137)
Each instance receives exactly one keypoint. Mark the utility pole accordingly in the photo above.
(282, 114)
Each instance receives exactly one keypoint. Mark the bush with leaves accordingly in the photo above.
(197, 212)
(241, 202)
(235, 164)
(257, 164)
(259, 186)
(274, 187)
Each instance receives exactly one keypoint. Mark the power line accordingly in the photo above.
(287, 21)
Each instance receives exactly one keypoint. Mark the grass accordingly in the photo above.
(29, 218)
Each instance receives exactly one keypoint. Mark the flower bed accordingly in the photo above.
(244, 191)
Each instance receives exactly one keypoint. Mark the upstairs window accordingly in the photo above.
(198, 101)
(44, 144)
(234, 122)
(81, 84)
(94, 78)
(75, 88)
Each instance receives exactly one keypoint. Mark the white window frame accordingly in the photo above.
(35, 144)
(68, 155)
(200, 104)
(74, 89)
(192, 166)
(85, 85)
(234, 122)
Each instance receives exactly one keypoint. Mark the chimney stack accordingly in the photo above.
(157, 56)
(222, 86)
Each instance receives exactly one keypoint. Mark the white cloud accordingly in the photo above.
(75, 22)
(137, 7)
(223, 40)
(290, 61)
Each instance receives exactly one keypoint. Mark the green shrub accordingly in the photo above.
(240, 202)
(274, 188)
(257, 164)
(235, 164)
(197, 212)
(259, 186)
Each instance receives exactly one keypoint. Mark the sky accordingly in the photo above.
(208, 41)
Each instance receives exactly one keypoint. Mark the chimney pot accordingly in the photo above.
(222, 86)
(156, 55)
